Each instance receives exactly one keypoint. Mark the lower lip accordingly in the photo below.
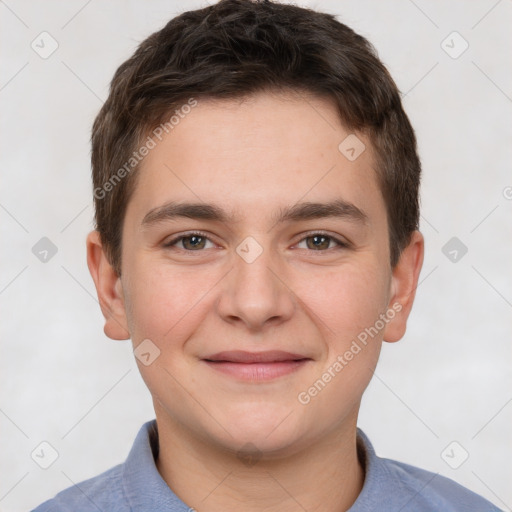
(257, 371)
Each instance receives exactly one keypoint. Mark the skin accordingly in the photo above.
(251, 158)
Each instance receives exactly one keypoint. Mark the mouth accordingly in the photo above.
(256, 366)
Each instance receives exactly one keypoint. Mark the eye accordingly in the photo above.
(197, 241)
(321, 242)
(192, 242)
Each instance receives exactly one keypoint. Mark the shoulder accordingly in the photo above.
(391, 485)
(102, 492)
(431, 491)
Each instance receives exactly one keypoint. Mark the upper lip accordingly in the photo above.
(240, 356)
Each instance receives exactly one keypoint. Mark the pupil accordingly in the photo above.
(319, 241)
(193, 241)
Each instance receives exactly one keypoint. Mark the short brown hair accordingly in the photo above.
(235, 48)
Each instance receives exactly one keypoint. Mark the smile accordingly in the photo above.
(256, 366)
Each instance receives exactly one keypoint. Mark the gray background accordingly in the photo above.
(449, 379)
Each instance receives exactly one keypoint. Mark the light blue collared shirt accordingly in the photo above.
(389, 486)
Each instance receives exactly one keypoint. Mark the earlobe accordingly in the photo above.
(109, 289)
(404, 282)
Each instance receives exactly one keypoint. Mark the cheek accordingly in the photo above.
(166, 303)
(166, 307)
(346, 300)
(349, 302)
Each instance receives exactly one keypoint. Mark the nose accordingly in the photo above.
(255, 292)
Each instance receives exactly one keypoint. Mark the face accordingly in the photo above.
(255, 259)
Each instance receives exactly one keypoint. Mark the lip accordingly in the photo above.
(242, 356)
(256, 366)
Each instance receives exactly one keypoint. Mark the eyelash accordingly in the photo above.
(341, 244)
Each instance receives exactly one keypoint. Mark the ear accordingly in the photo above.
(109, 289)
(404, 281)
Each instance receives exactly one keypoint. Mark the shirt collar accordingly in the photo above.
(374, 473)
(143, 486)
(146, 490)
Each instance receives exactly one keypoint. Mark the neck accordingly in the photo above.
(327, 476)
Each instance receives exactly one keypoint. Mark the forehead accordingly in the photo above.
(265, 150)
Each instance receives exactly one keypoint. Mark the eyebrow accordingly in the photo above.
(338, 208)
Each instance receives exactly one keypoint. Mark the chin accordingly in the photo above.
(265, 427)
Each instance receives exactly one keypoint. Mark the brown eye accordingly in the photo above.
(193, 242)
(321, 242)
(318, 242)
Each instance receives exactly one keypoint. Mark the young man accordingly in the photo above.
(256, 190)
